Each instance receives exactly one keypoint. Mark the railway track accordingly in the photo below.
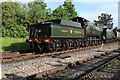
(111, 70)
(80, 70)
(50, 63)
(12, 56)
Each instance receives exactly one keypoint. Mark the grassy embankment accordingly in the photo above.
(12, 44)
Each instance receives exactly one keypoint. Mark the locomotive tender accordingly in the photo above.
(63, 34)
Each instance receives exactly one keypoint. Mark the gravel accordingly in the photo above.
(110, 72)
(30, 67)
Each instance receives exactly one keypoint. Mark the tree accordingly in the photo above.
(49, 14)
(60, 13)
(0, 19)
(65, 11)
(105, 20)
(13, 20)
(36, 10)
(16, 17)
(69, 7)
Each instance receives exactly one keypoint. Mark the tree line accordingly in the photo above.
(16, 17)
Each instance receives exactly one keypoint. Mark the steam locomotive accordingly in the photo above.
(60, 34)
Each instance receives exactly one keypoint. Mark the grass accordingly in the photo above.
(11, 44)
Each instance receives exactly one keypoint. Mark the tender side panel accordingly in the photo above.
(58, 31)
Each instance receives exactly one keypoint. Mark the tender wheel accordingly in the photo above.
(75, 45)
(37, 48)
(67, 45)
(53, 46)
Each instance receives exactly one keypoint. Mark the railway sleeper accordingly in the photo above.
(18, 59)
(89, 58)
(7, 60)
(46, 73)
(77, 63)
(28, 57)
(85, 60)
(97, 56)
(10, 56)
(104, 54)
(71, 65)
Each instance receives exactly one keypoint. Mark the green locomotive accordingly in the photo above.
(63, 34)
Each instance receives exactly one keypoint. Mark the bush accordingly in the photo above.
(17, 32)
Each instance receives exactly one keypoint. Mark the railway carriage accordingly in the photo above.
(110, 36)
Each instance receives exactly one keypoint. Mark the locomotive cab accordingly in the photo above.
(83, 21)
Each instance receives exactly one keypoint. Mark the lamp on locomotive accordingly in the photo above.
(38, 21)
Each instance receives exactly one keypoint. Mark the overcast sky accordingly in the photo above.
(87, 9)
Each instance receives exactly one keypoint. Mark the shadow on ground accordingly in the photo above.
(16, 46)
(13, 77)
